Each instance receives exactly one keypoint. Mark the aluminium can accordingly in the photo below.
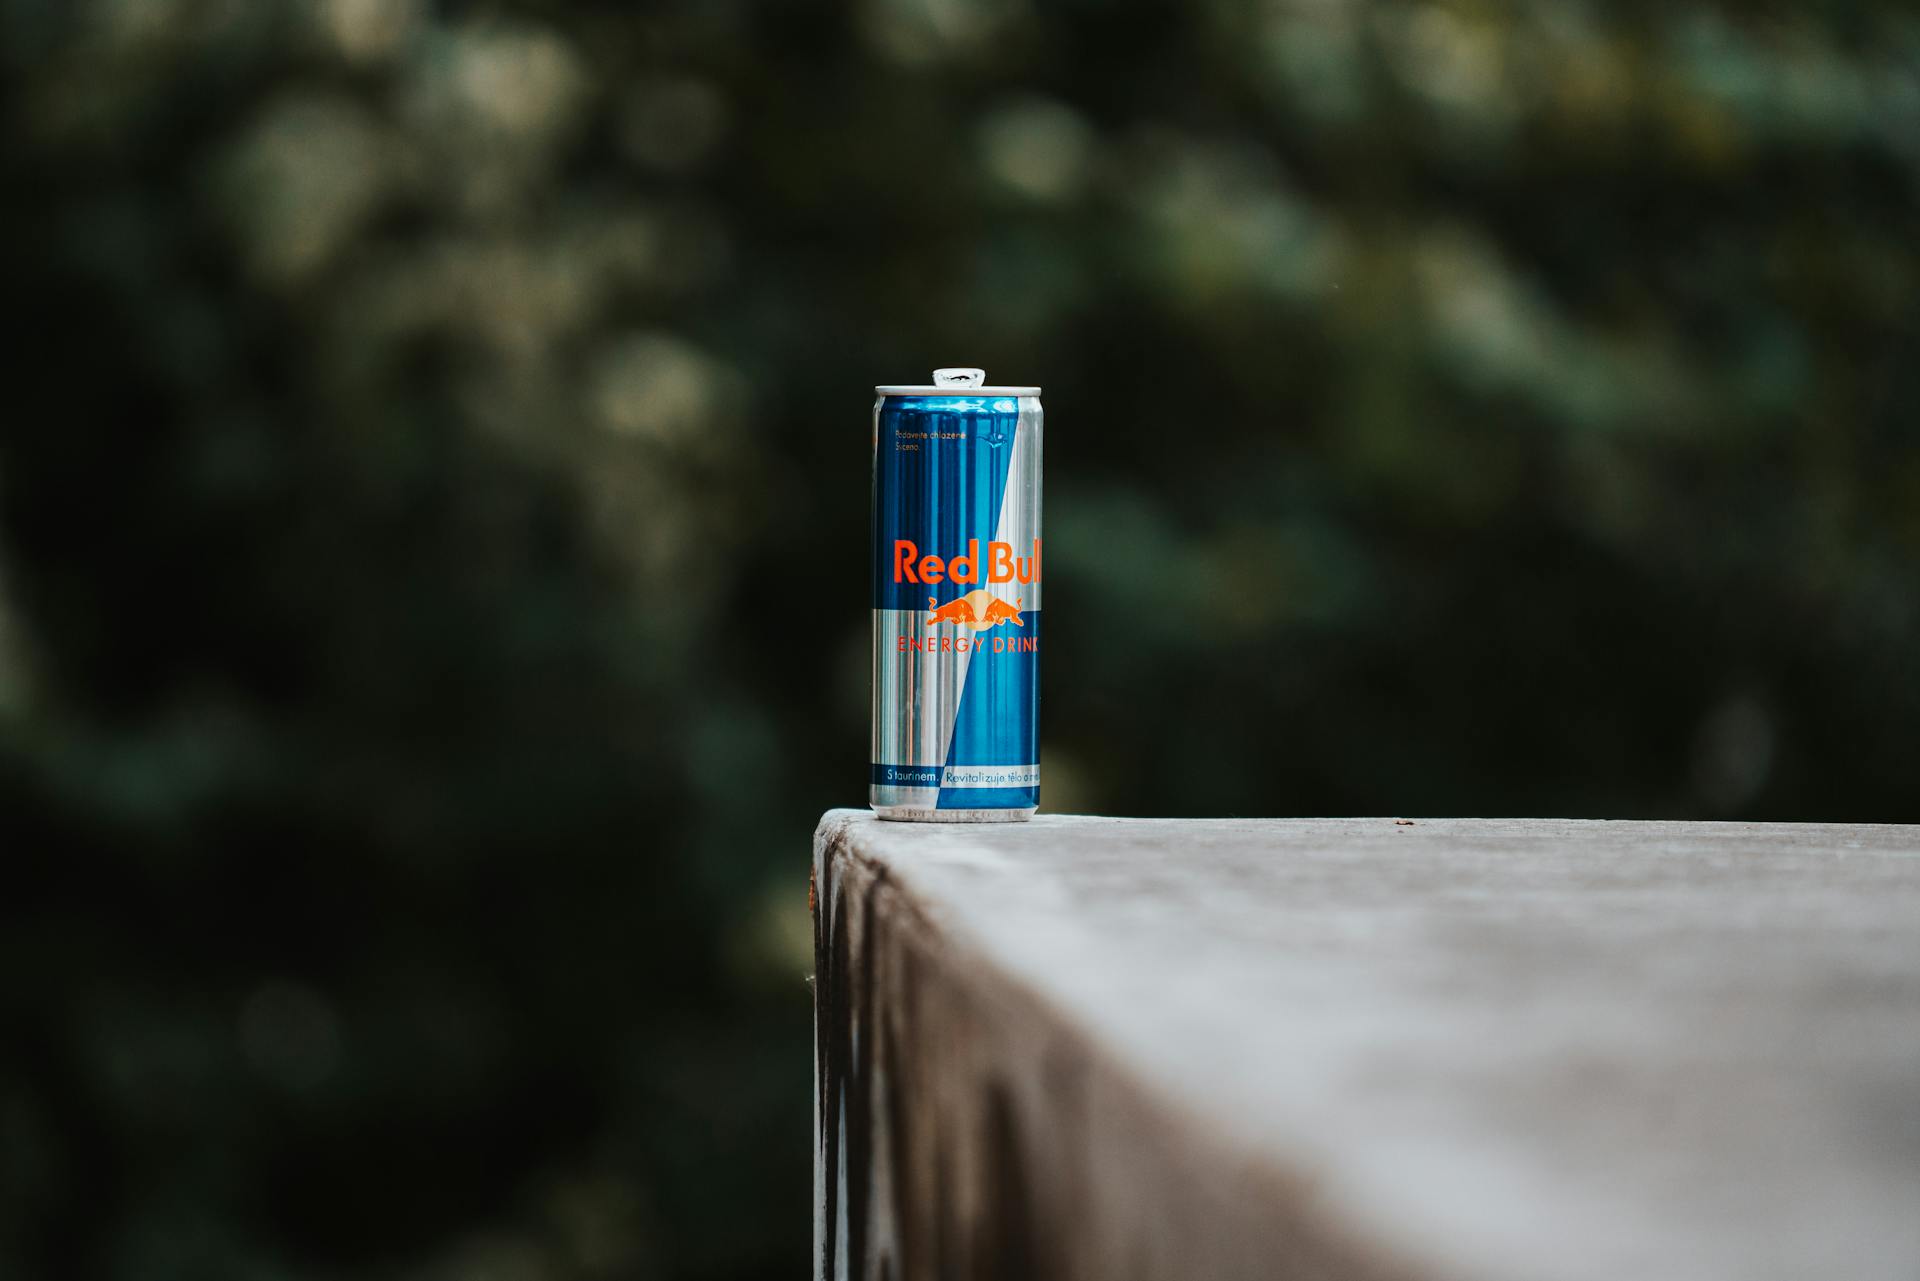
(956, 600)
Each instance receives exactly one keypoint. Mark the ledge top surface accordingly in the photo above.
(1506, 1048)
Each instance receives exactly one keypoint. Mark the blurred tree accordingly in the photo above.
(434, 474)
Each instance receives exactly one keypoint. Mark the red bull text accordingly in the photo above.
(956, 600)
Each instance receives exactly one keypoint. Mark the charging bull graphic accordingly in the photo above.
(998, 611)
(957, 610)
(976, 610)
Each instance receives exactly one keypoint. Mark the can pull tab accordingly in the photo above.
(959, 377)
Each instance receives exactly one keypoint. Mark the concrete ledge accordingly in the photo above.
(1110, 1048)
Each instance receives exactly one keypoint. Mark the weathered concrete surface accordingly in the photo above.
(1526, 1050)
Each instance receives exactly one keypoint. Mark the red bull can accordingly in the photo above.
(956, 600)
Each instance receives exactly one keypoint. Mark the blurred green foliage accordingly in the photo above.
(432, 519)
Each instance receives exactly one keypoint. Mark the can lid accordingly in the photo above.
(955, 382)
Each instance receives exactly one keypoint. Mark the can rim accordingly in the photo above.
(952, 393)
(961, 382)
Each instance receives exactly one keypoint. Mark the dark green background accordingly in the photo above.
(433, 517)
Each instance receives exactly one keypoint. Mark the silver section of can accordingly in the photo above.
(916, 698)
(1019, 524)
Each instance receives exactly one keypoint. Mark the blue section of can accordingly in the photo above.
(940, 472)
(999, 719)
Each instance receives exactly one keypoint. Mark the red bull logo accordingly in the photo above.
(973, 612)
(963, 619)
(977, 610)
(1001, 565)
